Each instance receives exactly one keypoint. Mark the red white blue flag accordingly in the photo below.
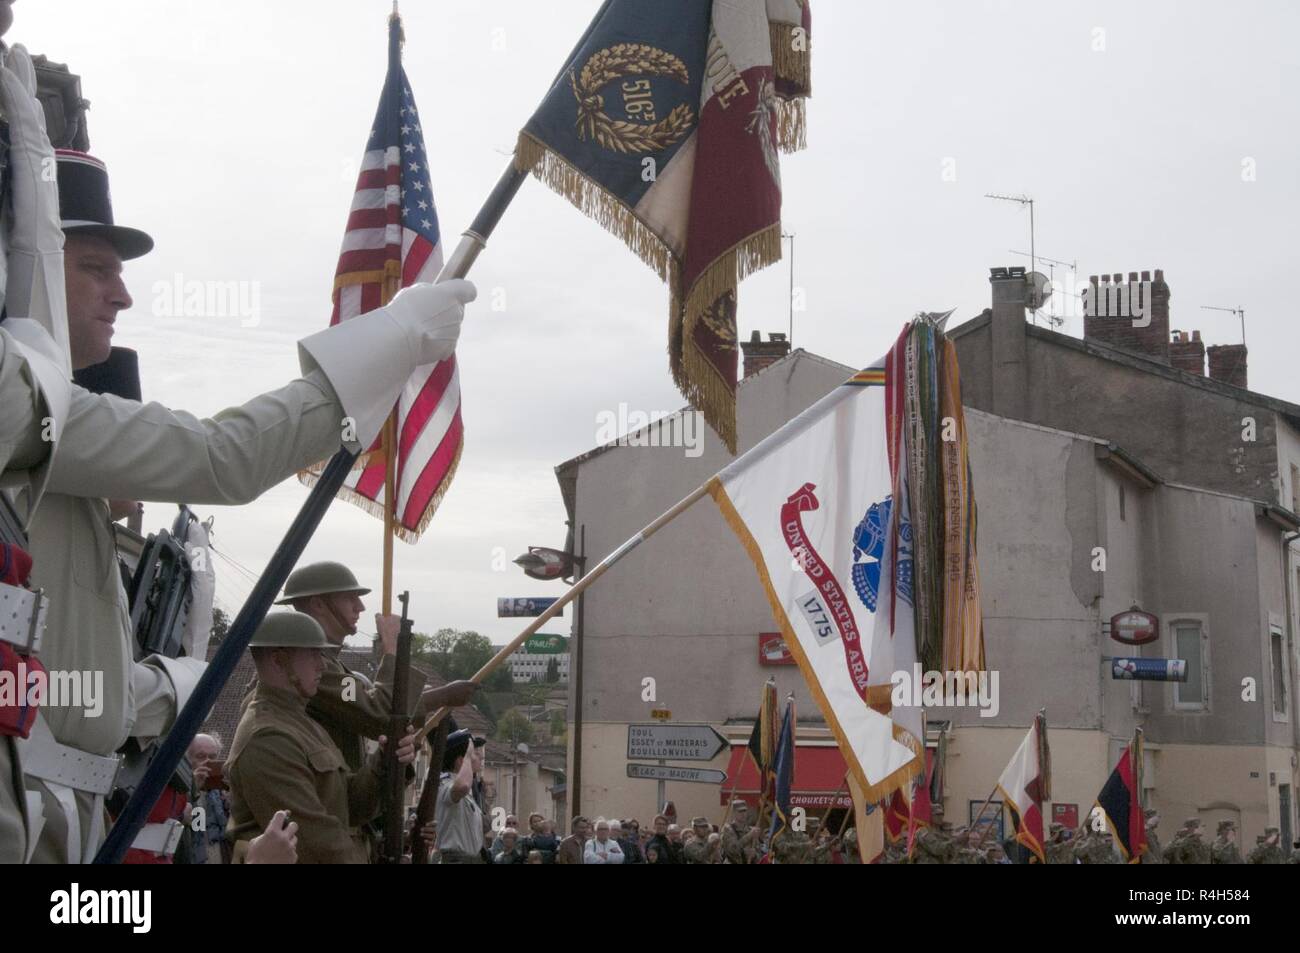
(392, 240)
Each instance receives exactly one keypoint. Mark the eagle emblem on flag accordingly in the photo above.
(869, 551)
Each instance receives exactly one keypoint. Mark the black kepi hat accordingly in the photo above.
(457, 745)
(86, 208)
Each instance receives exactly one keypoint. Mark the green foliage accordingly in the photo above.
(553, 671)
(220, 625)
(558, 727)
(514, 727)
(455, 654)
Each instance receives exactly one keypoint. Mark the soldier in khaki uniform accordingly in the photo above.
(348, 704)
(1224, 849)
(703, 847)
(282, 759)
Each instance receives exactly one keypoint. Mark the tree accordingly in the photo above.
(559, 728)
(514, 727)
(220, 624)
(553, 671)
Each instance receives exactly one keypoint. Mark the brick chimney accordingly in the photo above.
(1113, 306)
(1228, 364)
(1187, 352)
(759, 353)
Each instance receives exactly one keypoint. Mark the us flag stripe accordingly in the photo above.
(392, 234)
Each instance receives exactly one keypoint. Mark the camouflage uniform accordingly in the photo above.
(1058, 849)
(1188, 847)
(790, 847)
(849, 847)
(1267, 851)
(739, 846)
(966, 852)
(934, 846)
(1224, 849)
(1095, 847)
(1154, 853)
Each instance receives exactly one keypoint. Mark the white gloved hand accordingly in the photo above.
(431, 316)
(203, 586)
(34, 236)
(369, 359)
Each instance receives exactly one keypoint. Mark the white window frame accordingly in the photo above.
(1172, 622)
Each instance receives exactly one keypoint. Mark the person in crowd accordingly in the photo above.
(572, 847)
(602, 849)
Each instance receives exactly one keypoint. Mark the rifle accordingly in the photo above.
(159, 599)
(394, 775)
(159, 593)
(424, 812)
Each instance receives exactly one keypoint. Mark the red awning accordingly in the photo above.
(818, 778)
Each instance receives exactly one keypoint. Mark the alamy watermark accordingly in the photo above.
(195, 298)
(60, 689)
(1130, 300)
(946, 689)
(639, 428)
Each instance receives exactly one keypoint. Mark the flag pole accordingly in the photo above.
(677, 509)
(980, 816)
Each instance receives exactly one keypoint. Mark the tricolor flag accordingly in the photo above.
(812, 505)
(1121, 800)
(1025, 784)
(392, 240)
(763, 741)
(665, 126)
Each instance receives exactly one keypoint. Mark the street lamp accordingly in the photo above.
(542, 562)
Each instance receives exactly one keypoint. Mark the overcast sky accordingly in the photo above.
(1152, 135)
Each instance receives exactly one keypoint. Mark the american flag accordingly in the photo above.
(392, 240)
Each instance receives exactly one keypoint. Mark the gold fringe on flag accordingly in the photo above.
(695, 375)
(375, 508)
(870, 792)
(595, 202)
(791, 125)
(792, 55)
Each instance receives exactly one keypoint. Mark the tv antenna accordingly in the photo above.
(1239, 312)
(1052, 318)
(1022, 200)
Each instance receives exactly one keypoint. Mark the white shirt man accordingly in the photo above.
(602, 849)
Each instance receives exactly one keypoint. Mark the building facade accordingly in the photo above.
(1075, 526)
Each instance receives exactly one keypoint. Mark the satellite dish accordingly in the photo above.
(1040, 289)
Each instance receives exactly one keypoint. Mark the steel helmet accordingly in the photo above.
(319, 579)
(290, 630)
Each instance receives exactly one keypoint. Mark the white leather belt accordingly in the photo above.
(159, 838)
(45, 758)
(22, 617)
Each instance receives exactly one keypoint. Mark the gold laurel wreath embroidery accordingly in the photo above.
(628, 59)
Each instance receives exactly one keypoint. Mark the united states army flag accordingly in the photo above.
(812, 506)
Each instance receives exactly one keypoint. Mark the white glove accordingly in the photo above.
(203, 585)
(34, 238)
(368, 359)
(431, 316)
